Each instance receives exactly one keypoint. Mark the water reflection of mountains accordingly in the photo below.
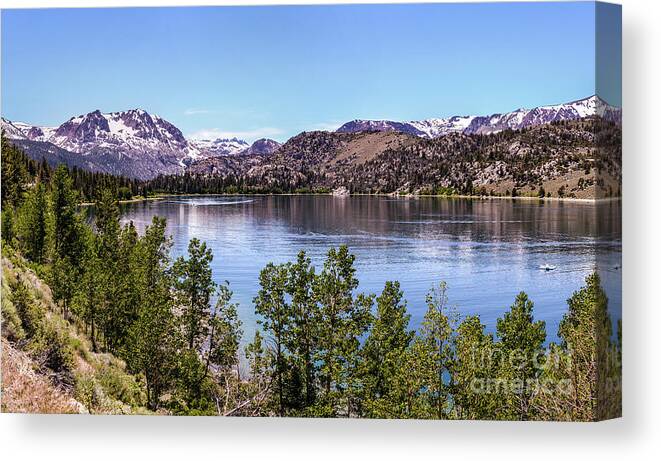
(432, 219)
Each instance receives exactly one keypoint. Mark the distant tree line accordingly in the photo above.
(20, 171)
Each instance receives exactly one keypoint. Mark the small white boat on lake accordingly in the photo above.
(548, 267)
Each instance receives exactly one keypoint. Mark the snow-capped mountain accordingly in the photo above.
(520, 118)
(435, 127)
(220, 146)
(132, 143)
(128, 132)
(19, 130)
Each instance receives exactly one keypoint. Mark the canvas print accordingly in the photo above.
(407, 211)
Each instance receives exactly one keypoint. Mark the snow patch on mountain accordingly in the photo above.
(220, 146)
(469, 124)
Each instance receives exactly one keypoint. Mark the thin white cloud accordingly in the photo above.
(247, 135)
(194, 111)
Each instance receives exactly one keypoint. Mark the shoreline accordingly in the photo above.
(133, 200)
(390, 195)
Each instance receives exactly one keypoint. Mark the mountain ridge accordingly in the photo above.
(136, 143)
(494, 123)
(132, 143)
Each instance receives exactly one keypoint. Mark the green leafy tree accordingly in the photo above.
(225, 333)
(258, 386)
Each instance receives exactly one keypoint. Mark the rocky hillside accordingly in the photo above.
(48, 365)
(557, 159)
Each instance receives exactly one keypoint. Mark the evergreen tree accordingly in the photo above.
(342, 320)
(302, 341)
(474, 372)
(153, 340)
(433, 350)
(275, 315)
(521, 355)
(34, 224)
(127, 294)
(87, 291)
(195, 288)
(67, 221)
(384, 351)
(595, 372)
(15, 178)
(107, 247)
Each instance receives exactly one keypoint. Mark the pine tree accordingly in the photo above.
(34, 222)
(433, 350)
(275, 315)
(474, 372)
(127, 295)
(153, 340)
(302, 342)
(67, 221)
(15, 178)
(384, 352)
(195, 288)
(107, 247)
(595, 374)
(342, 319)
(521, 355)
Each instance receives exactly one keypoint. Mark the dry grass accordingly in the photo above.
(364, 147)
(25, 391)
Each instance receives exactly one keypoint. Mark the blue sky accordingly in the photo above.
(276, 71)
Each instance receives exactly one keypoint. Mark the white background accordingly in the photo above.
(635, 436)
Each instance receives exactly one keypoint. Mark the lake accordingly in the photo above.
(486, 250)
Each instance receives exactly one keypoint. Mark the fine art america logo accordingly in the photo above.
(529, 373)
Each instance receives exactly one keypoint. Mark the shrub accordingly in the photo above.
(119, 385)
(31, 312)
(12, 327)
(53, 348)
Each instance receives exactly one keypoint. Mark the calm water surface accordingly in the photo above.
(486, 250)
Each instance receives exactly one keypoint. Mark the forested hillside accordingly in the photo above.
(107, 318)
(571, 159)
